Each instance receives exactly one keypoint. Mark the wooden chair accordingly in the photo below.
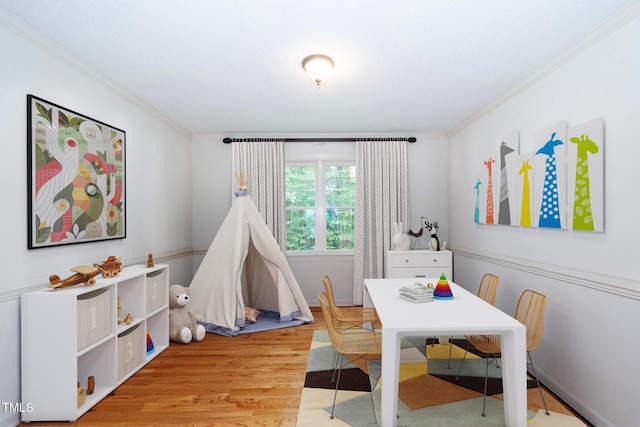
(360, 343)
(529, 312)
(347, 317)
(486, 291)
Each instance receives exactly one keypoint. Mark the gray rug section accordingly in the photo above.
(356, 412)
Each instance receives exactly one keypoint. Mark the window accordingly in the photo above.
(320, 199)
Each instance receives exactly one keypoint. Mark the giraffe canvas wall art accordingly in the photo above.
(476, 211)
(490, 211)
(507, 165)
(585, 176)
(550, 176)
(496, 186)
(558, 185)
(525, 190)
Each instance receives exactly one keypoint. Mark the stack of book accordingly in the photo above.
(417, 292)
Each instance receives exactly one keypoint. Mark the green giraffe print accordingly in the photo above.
(582, 214)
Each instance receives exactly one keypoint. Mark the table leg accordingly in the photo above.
(390, 373)
(514, 377)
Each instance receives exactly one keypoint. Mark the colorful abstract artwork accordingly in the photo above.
(76, 181)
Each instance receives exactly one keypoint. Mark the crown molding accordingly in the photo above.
(48, 46)
(600, 32)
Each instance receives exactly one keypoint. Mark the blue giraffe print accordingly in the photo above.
(550, 207)
(476, 213)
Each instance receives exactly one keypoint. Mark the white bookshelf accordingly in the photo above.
(73, 333)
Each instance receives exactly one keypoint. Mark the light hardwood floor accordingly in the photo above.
(248, 380)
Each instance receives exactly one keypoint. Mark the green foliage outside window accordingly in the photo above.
(339, 201)
(340, 183)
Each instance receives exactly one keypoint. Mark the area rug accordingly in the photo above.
(429, 393)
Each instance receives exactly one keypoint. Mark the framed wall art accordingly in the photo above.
(76, 177)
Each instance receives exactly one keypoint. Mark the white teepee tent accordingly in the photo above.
(244, 266)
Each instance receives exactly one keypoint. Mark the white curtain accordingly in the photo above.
(381, 200)
(262, 160)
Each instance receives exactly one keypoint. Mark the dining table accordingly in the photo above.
(463, 314)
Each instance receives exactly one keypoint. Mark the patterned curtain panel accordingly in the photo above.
(263, 162)
(381, 200)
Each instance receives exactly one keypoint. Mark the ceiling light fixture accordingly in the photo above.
(318, 67)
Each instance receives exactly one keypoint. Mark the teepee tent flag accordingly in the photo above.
(244, 267)
(443, 290)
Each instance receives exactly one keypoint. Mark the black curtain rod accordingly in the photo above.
(230, 140)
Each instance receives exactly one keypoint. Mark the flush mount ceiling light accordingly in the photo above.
(318, 67)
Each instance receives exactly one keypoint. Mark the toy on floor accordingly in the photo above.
(183, 325)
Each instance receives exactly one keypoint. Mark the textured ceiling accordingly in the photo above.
(234, 66)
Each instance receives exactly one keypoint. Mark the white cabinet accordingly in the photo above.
(429, 264)
(71, 334)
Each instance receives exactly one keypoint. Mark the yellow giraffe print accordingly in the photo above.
(525, 211)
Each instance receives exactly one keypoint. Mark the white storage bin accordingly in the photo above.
(156, 292)
(93, 317)
(130, 350)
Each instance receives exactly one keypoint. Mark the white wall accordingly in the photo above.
(158, 183)
(591, 279)
(211, 161)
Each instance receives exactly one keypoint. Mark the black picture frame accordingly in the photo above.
(76, 177)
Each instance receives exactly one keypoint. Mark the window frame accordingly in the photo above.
(320, 206)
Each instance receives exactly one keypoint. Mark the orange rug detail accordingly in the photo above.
(427, 390)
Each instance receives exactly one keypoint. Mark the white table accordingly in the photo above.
(464, 314)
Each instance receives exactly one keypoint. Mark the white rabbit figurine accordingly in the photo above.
(400, 241)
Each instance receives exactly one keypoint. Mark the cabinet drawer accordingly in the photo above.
(419, 259)
(404, 273)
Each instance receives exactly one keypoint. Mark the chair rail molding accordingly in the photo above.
(17, 288)
(621, 286)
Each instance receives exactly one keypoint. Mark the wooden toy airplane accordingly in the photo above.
(84, 274)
